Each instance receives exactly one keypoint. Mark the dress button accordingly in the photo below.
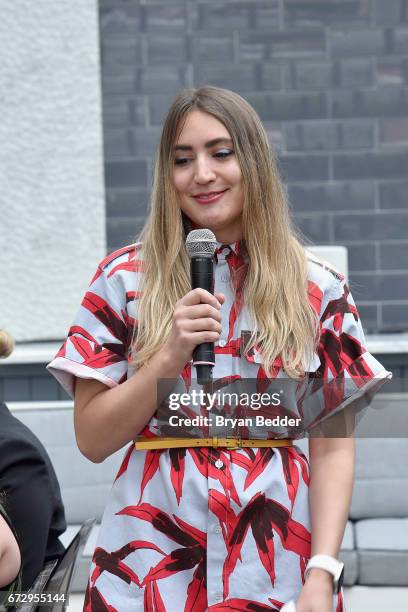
(218, 596)
(219, 463)
(222, 343)
(217, 529)
(225, 278)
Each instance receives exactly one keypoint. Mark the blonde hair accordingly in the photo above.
(275, 287)
(6, 344)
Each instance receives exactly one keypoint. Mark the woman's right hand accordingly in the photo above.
(196, 319)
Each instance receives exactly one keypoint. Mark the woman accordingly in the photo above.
(175, 534)
(10, 556)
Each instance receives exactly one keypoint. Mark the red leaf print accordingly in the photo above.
(291, 474)
(246, 605)
(177, 459)
(197, 590)
(197, 534)
(151, 465)
(261, 461)
(125, 462)
(176, 561)
(153, 601)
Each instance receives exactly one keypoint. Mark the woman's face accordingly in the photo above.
(205, 164)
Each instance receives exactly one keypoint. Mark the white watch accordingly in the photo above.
(331, 565)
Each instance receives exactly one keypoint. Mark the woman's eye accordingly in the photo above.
(181, 161)
(223, 153)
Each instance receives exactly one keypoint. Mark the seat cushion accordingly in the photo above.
(382, 546)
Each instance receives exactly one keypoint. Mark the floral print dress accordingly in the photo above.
(194, 529)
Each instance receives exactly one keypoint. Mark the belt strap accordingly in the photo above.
(156, 443)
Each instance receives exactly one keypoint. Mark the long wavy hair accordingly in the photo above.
(275, 288)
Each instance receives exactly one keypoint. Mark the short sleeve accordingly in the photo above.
(348, 373)
(97, 343)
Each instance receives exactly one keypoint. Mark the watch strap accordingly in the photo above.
(331, 565)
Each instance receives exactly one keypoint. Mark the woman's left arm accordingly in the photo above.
(332, 462)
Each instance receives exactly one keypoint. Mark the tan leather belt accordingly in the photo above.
(155, 443)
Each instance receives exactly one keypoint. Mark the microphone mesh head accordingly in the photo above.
(201, 242)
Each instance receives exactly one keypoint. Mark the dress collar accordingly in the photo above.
(238, 248)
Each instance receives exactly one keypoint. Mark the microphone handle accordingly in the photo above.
(202, 275)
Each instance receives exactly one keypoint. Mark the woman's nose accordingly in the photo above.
(203, 171)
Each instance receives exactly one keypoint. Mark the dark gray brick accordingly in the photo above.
(119, 80)
(137, 110)
(16, 389)
(144, 141)
(315, 228)
(238, 78)
(43, 388)
(368, 316)
(354, 73)
(311, 135)
(356, 195)
(271, 77)
(117, 143)
(384, 101)
(394, 195)
(127, 202)
(123, 231)
(267, 15)
(371, 165)
(356, 42)
(116, 21)
(380, 226)
(124, 50)
(212, 48)
(394, 317)
(161, 79)
(257, 45)
(379, 287)
(361, 257)
(394, 131)
(165, 17)
(226, 16)
(115, 111)
(309, 75)
(158, 107)
(305, 13)
(389, 12)
(287, 106)
(166, 49)
(392, 71)
(358, 134)
(394, 256)
(126, 173)
(275, 136)
(400, 41)
(304, 168)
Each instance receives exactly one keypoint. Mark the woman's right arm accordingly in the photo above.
(10, 559)
(108, 419)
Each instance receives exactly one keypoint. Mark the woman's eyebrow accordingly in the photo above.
(208, 145)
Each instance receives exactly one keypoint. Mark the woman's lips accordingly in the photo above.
(209, 200)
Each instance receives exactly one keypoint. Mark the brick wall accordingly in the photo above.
(329, 79)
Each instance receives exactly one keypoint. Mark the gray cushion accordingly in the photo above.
(84, 485)
(383, 551)
(381, 482)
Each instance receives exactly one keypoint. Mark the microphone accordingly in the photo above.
(201, 245)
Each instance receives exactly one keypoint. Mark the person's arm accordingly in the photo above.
(107, 419)
(332, 462)
(10, 559)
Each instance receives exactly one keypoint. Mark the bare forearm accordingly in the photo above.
(115, 416)
(331, 486)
